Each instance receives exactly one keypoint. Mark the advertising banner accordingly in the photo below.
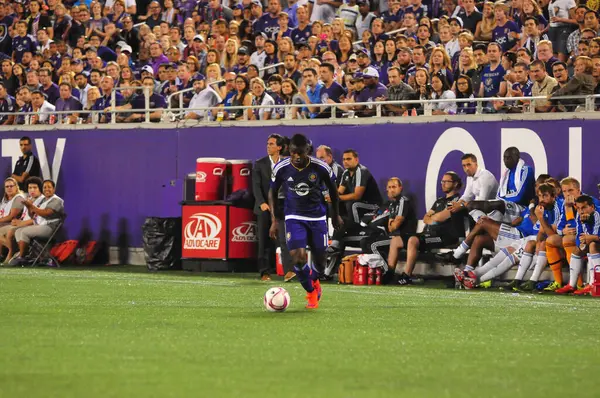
(242, 233)
(204, 233)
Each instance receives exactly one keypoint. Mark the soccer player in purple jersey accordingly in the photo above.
(303, 177)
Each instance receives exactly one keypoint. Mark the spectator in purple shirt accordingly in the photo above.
(158, 58)
(506, 32)
(49, 89)
(67, 102)
(21, 42)
(269, 21)
(373, 91)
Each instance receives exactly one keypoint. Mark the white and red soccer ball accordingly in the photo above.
(277, 299)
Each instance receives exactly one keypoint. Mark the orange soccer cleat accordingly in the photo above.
(317, 286)
(312, 300)
(565, 290)
(583, 291)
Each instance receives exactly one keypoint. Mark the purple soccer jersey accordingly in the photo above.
(305, 209)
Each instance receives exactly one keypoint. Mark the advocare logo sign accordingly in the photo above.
(246, 232)
(202, 231)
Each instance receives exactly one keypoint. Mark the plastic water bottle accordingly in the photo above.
(209, 116)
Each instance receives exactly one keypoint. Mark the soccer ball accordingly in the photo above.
(277, 299)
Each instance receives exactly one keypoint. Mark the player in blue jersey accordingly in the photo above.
(587, 241)
(546, 227)
(561, 246)
(515, 243)
(305, 211)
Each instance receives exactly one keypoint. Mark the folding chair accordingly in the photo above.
(40, 248)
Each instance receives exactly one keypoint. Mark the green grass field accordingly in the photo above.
(118, 332)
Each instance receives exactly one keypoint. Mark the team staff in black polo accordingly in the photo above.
(27, 166)
(391, 227)
(358, 189)
(442, 227)
(359, 194)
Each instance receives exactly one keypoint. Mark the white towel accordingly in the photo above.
(373, 261)
(518, 182)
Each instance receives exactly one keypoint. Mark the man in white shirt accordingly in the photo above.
(481, 185)
(204, 97)
(41, 107)
(258, 57)
(130, 7)
(365, 17)
(323, 10)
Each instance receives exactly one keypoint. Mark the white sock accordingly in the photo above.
(540, 264)
(496, 216)
(476, 214)
(493, 263)
(461, 250)
(524, 265)
(468, 268)
(593, 261)
(499, 270)
(574, 269)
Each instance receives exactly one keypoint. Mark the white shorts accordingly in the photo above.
(507, 236)
(511, 213)
(519, 245)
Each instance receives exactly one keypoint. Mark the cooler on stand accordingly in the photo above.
(241, 175)
(218, 236)
(210, 178)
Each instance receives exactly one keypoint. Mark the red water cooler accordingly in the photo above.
(241, 174)
(211, 178)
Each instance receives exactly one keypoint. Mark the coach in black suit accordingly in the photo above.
(262, 174)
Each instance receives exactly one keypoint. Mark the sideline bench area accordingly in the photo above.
(428, 266)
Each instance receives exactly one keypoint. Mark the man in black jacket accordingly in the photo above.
(262, 174)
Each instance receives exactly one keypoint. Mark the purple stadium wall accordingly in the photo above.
(112, 179)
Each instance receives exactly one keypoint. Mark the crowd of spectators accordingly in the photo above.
(69, 56)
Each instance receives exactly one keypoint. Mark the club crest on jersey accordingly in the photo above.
(288, 236)
(312, 177)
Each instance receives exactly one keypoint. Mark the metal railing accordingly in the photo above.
(378, 105)
(180, 93)
(588, 106)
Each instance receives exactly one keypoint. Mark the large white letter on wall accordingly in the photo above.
(575, 148)
(526, 141)
(11, 149)
(453, 139)
(56, 162)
